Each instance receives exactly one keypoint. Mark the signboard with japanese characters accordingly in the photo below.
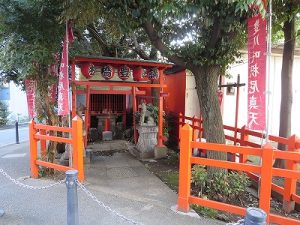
(107, 72)
(152, 73)
(30, 87)
(123, 72)
(256, 72)
(63, 81)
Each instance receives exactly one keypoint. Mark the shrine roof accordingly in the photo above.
(120, 61)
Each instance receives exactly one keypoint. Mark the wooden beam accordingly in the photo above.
(116, 61)
(119, 84)
(111, 92)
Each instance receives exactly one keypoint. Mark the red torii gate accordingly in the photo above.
(108, 66)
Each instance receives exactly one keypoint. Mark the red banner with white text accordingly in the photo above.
(63, 81)
(257, 47)
(30, 87)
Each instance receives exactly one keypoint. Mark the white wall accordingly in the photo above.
(17, 102)
(275, 80)
(192, 107)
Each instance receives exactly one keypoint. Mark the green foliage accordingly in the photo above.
(199, 33)
(173, 158)
(221, 186)
(199, 175)
(204, 211)
(285, 10)
(171, 179)
(4, 113)
(29, 35)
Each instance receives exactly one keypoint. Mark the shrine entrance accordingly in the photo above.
(105, 93)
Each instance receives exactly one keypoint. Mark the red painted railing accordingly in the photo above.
(38, 132)
(267, 154)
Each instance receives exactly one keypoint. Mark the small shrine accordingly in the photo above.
(106, 93)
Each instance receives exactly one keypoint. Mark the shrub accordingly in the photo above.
(222, 186)
(4, 113)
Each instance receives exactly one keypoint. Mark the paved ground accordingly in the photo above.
(8, 135)
(119, 181)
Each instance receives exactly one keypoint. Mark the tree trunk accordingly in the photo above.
(286, 84)
(45, 109)
(207, 84)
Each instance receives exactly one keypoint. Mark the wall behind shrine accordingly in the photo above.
(275, 89)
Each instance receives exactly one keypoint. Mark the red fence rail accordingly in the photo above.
(243, 137)
(38, 133)
(267, 154)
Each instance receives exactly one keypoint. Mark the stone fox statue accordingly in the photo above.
(146, 118)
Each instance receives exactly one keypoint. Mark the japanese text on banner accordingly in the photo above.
(256, 72)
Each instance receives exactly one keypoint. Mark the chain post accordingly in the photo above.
(1, 212)
(72, 198)
(255, 216)
(17, 133)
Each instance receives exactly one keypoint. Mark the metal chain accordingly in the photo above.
(239, 222)
(100, 203)
(29, 186)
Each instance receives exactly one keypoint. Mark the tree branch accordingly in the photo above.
(106, 51)
(214, 34)
(137, 49)
(157, 43)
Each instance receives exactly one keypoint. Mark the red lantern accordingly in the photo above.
(139, 74)
(87, 69)
(107, 72)
(152, 73)
(123, 72)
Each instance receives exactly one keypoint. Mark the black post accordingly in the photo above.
(72, 200)
(17, 133)
(1, 212)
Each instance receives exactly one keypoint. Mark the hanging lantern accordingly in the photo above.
(123, 72)
(87, 69)
(139, 74)
(152, 73)
(107, 72)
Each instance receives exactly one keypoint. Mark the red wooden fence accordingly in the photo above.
(38, 132)
(267, 154)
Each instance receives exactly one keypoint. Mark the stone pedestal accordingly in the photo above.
(147, 141)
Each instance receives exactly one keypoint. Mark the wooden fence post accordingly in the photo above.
(77, 139)
(266, 178)
(195, 131)
(184, 187)
(43, 145)
(34, 169)
(180, 120)
(244, 138)
(289, 183)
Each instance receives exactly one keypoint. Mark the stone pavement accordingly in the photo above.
(119, 181)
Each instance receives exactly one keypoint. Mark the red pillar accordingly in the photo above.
(160, 110)
(73, 90)
(236, 109)
(134, 107)
(87, 113)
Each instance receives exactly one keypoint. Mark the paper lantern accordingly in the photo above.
(107, 72)
(124, 72)
(139, 74)
(87, 69)
(152, 73)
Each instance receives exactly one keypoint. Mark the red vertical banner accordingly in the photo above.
(63, 81)
(257, 48)
(30, 87)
